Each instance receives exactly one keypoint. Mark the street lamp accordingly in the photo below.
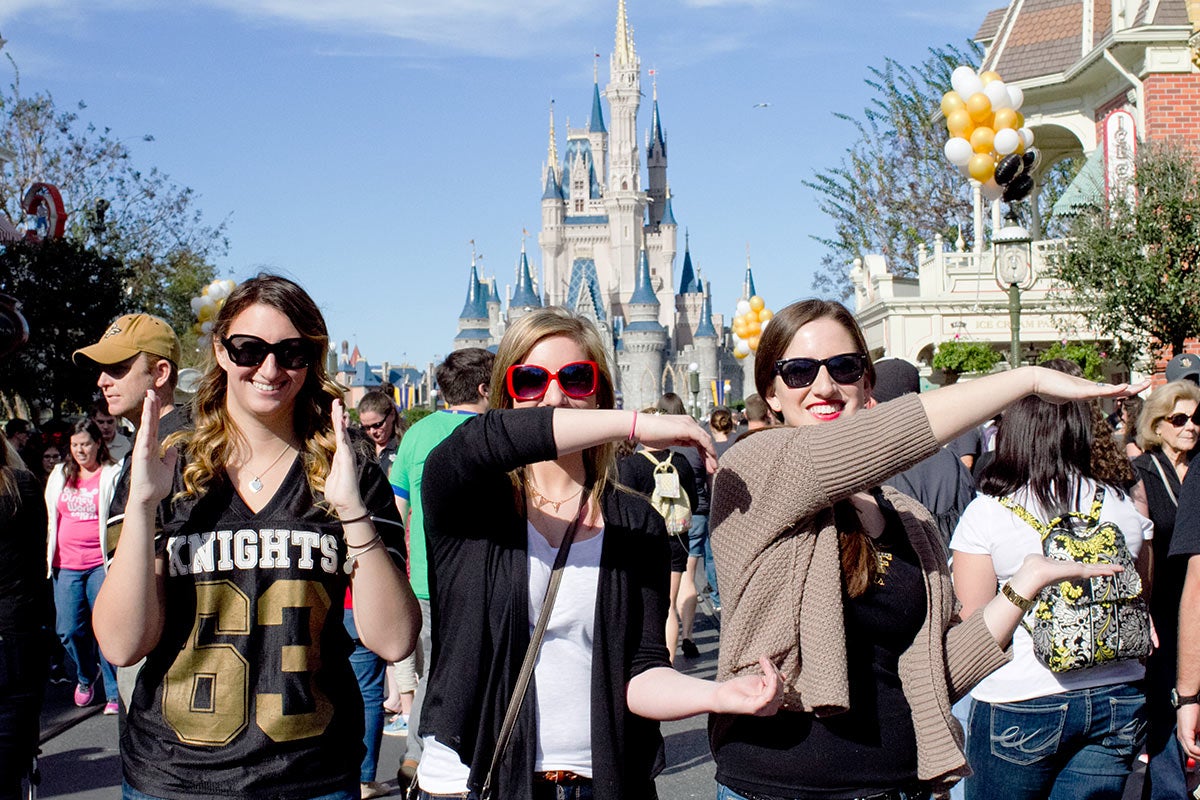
(694, 387)
(1012, 260)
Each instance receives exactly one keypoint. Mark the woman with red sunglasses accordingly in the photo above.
(848, 582)
(501, 494)
(234, 594)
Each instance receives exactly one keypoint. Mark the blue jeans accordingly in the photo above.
(697, 535)
(961, 711)
(130, 793)
(74, 598)
(371, 672)
(1070, 746)
(710, 573)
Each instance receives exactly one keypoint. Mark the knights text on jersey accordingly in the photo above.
(249, 692)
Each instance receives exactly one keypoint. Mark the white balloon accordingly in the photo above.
(743, 307)
(1026, 137)
(1016, 97)
(207, 300)
(958, 151)
(742, 347)
(965, 81)
(993, 190)
(762, 326)
(206, 327)
(997, 92)
(197, 302)
(1007, 140)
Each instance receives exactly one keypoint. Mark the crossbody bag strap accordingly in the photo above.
(1166, 483)
(535, 643)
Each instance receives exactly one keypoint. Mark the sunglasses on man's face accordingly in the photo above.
(1181, 419)
(577, 380)
(250, 351)
(798, 373)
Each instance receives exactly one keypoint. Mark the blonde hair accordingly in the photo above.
(520, 338)
(1158, 407)
(216, 437)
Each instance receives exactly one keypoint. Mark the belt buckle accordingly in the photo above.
(560, 776)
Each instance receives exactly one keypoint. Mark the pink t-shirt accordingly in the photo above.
(79, 526)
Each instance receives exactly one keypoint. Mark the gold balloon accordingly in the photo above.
(753, 342)
(1005, 118)
(765, 315)
(951, 102)
(989, 76)
(979, 107)
(1020, 123)
(756, 304)
(959, 123)
(981, 140)
(982, 167)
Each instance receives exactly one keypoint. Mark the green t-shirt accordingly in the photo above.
(405, 477)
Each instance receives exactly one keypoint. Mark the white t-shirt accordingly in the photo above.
(562, 675)
(988, 528)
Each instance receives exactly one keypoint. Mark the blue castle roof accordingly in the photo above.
(477, 296)
(597, 123)
(524, 295)
(656, 131)
(576, 147)
(687, 277)
(748, 283)
(493, 292)
(705, 328)
(668, 217)
(643, 292)
(552, 191)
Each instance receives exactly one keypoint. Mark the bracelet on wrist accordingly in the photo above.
(633, 428)
(359, 518)
(1021, 602)
(355, 552)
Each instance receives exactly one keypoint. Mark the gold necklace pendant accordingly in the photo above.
(543, 500)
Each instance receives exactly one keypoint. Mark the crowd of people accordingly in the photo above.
(988, 581)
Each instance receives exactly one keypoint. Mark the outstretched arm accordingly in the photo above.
(131, 606)
(662, 693)
(578, 429)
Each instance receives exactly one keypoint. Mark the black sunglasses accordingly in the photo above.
(377, 425)
(250, 351)
(531, 382)
(798, 373)
(1181, 419)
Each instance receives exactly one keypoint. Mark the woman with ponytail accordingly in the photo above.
(847, 582)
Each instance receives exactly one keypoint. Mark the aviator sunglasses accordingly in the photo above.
(377, 425)
(797, 373)
(250, 351)
(530, 382)
(1181, 419)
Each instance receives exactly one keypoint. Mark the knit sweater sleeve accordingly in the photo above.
(782, 476)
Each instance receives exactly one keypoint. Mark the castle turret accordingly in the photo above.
(706, 353)
(689, 301)
(525, 297)
(495, 321)
(656, 167)
(473, 323)
(643, 343)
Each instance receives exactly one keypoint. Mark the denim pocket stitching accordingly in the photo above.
(1009, 744)
(1130, 735)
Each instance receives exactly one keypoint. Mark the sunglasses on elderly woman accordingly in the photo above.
(577, 380)
(250, 351)
(798, 373)
(1181, 419)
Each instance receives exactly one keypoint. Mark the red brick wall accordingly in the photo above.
(1172, 102)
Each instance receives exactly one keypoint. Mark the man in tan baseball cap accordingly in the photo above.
(137, 352)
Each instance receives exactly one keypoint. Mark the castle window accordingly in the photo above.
(579, 205)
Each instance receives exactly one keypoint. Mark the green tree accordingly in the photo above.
(69, 293)
(960, 357)
(1134, 264)
(894, 189)
(149, 223)
(1086, 354)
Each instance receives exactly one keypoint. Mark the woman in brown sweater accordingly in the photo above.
(847, 584)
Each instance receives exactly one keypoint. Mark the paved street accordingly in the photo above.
(80, 760)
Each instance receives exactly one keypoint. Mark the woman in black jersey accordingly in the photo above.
(236, 600)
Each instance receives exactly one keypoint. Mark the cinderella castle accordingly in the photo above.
(608, 244)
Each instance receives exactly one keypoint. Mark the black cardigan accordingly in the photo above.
(479, 588)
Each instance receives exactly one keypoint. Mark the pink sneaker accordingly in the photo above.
(111, 708)
(84, 695)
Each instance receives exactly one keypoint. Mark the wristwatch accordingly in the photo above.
(1178, 700)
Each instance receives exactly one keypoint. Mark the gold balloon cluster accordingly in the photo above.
(206, 305)
(748, 323)
(986, 127)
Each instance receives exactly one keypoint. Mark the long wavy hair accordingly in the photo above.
(215, 438)
(521, 337)
(859, 562)
(70, 465)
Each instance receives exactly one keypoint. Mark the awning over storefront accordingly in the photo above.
(1086, 190)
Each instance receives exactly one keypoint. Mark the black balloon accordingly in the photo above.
(1031, 158)
(1017, 190)
(1008, 168)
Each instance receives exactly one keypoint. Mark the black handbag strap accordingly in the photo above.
(535, 644)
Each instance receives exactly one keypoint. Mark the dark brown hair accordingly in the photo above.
(71, 466)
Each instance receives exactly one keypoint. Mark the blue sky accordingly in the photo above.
(360, 145)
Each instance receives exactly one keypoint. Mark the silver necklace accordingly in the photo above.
(256, 484)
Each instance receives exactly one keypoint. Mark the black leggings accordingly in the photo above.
(22, 685)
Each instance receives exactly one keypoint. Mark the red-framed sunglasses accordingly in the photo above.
(577, 380)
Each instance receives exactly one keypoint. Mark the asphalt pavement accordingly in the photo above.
(80, 759)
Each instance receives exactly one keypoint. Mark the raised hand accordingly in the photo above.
(1058, 387)
(341, 485)
(151, 471)
(675, 430)
(760, 695)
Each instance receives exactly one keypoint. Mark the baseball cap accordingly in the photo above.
(1184, 365)
(894, 377)
(130, 335)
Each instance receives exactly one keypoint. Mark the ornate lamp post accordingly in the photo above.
(1013, 263)
(694, 387)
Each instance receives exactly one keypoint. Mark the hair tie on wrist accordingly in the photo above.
(633, 428)
(356, 519)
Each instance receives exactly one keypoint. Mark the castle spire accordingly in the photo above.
(597, 123)
(748, 282)
(524, 295)
(687, 276)
(624, 53)
(705, 327)
(643, 291)
(552, 151)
